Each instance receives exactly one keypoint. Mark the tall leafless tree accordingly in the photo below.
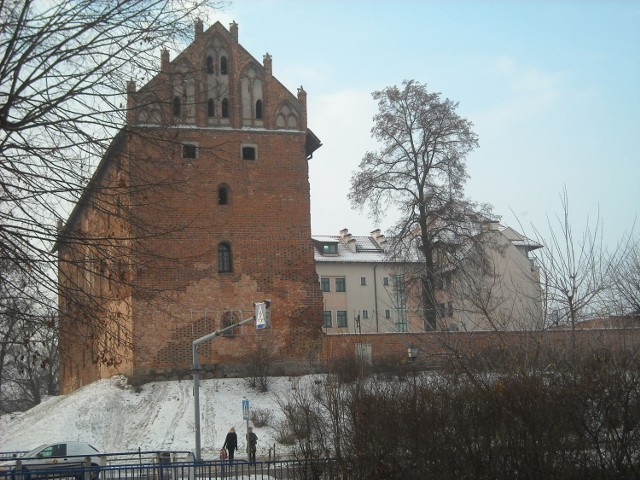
(64, 67)
(420, 172)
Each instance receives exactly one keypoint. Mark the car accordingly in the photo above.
(54, 456)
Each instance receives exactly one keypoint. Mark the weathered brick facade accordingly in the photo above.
(200, 208)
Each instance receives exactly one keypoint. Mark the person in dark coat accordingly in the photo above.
(231, 442)
(252, 439)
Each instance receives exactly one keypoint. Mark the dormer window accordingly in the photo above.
(330, 248)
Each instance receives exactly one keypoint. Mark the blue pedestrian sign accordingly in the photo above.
(245, 409)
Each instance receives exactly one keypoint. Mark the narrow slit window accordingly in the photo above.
(223, 195)
(209, 64)
(224, 258)
(177, 106)
(211, 109)
(259, 109)
(223, 66)
(225, 108)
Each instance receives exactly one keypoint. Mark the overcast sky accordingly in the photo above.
(552, 88)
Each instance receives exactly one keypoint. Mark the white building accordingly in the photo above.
(494, 285)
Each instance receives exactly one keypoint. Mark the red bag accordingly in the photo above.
(223, 454)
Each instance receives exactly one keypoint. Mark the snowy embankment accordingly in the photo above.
(114, 417)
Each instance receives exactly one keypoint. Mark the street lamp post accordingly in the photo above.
(412, 352)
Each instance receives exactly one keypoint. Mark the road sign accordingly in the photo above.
(245, 409)
(261, 315)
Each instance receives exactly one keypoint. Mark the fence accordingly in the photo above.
(169, 466)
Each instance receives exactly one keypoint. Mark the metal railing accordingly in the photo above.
(162, 467)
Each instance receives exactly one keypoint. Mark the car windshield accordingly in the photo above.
(34, 452)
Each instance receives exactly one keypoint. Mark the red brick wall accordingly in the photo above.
(436, 347)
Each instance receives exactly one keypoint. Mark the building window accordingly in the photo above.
(225, 108)
(327, 319)
(329, 248)
(341, 317)
(387, 314)
(450, 309)
(365, 314)
(259, 109)
(363, 280)
(325, 285)
(223, 195)
(224, 258)
(223, 66)
(211, 108)
(209, 64)
(385, 281)
(189, 150)
(248, 153)
(341, 284)
(442, 310)
(177, 106)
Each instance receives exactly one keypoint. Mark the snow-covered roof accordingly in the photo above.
(364, 249)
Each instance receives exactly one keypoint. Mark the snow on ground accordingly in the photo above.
(113, 417)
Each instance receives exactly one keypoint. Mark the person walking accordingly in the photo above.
(252, 440)
(231, 443)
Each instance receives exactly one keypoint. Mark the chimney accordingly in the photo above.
(199, 29)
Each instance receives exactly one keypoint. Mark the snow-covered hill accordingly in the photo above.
(113, 417)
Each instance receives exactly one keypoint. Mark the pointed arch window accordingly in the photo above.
(211, 109)
(224, 258)
(177, 106)
(259, 109)
(209, 64)
(225, 108)
(223, 65)
(223, 195)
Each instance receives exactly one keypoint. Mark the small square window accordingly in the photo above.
(341, 284)
(249, 153)
(385, 281)
(365, 314)
(327, 319)
(189, 150)
(363, 280)
(325, 285)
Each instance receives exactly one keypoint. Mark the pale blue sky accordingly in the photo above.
(553, 89)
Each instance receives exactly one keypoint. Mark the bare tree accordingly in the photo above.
(624, 297)
(64, 69)
(420, 171)
(576, 271)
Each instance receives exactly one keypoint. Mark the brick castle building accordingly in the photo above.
(199, 208)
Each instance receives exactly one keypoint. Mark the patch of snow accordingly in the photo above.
(114, 417)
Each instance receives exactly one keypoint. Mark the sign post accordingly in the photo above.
(245, 416)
